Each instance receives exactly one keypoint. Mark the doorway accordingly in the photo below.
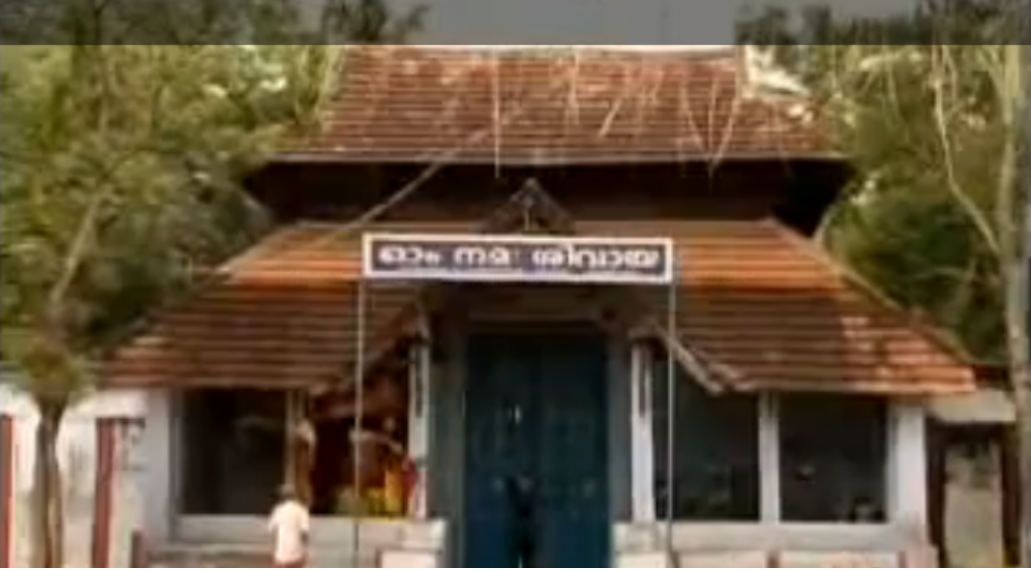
(536, 454)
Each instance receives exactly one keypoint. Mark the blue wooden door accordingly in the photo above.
(536, 452)
(573, 448)
(499, 444)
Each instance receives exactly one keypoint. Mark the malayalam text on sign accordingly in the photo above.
(530, 259)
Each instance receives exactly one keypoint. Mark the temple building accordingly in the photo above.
(544, 307)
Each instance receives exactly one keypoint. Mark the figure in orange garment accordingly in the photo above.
(393, 473)
(383, 397)
(395, 495)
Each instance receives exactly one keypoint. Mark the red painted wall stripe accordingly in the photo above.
(6, 490)
(103, 498)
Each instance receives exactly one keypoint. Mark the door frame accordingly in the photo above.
(447, 496)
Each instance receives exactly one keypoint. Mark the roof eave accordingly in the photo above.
(329, 158)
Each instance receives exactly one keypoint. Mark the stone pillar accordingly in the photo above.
(907, 468)
(642, 438)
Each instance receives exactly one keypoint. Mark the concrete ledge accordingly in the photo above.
(717, 559)
(409, 559)
(787, 559)
(774, 546)
(737, 537)
(840, 560)
(401, 541)
(183, 555)
(332, 532)
(643, 560)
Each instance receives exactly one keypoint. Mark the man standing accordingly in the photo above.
(289, 526)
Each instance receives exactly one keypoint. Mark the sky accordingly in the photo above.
(523, 22)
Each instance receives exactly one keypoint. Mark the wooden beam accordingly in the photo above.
(690, 362)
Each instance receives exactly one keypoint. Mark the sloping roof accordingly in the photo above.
(766, 307)
(754, 300)
(572, 105)
(283, 315)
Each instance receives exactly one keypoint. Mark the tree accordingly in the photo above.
(121, 169)
(1026, 440)
(928, 107)
(206, 22)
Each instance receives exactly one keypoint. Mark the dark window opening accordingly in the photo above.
(233, 451)
(235, 445)
(833, 458)
(716, 461)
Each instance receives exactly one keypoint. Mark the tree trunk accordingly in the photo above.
(1020, 372)
(1022, 393)
(1012, 231)
(48, 511)
(1022, 382)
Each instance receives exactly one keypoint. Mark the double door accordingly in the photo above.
(536, 452)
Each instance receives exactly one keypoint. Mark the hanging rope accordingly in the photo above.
(359, 417)
(671, 426)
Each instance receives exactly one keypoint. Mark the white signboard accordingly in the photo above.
(526, 259)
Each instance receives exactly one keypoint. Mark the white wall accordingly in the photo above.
(907, 468)
(974, 534)
(77, 455)
(156, 475)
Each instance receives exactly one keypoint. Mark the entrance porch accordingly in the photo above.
(749, 480)
(750, 436)
(546, 440)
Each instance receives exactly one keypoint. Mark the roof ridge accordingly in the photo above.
(640, 49)
(584, 99)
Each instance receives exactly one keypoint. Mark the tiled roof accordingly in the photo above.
(553, 106)
(282, 315)
(765, 306)
(754, 300)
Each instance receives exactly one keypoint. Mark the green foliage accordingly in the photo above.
(123, 142)
(131, 153)
(924, 124)
(205, 22)
(368, 21)
(792, 35)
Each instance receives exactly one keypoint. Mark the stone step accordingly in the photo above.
(243, 556)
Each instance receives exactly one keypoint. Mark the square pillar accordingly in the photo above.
(907, 467)
(769, 459)
(419, 422)
(642, 438)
